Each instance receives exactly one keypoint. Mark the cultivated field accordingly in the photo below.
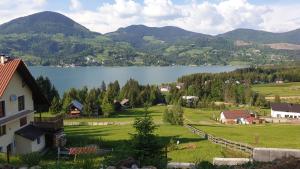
(282, 90)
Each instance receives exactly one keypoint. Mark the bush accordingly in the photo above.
(31, 159)
(173, 115)
(87, 162)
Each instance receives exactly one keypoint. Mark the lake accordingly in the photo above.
(77, 77)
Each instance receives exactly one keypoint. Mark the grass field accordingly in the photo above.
(127, 115)
(285, 89)
(191, 147)
(270, 135)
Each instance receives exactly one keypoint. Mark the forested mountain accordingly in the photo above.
(138, 35)
(263, 36)
(50, 38)
(45, 22)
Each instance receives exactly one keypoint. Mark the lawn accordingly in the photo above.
(191, 147)
(285, 89)
(126, 116)
(269, 135)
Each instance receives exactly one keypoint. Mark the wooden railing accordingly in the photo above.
(221, 141)
(49, 123)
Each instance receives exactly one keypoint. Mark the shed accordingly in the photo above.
(75, 108)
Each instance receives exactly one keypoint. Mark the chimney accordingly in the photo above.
(3, 59)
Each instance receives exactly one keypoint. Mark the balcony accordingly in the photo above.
(49, 123)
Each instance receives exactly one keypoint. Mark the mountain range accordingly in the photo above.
(50, 38)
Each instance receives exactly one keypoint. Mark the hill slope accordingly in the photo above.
(45, 22)
(139, 35)
(50, 38)
(263, 36)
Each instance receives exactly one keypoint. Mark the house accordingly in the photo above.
(279, 81)
(19, 94)
(237, 117)
(285, 110)
(164, 88)
(179, 85)
(75, 108)
(190, 98)
(125, 103)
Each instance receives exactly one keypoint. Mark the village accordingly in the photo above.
(26, 130)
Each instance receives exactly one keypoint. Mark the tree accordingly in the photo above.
(91, 103)
(107, 108)
(103, 86)
(47, 88)
(55, 106)
(173, 115)
(146, 146)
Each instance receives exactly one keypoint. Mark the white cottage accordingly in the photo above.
(18, 94)
(285, 110)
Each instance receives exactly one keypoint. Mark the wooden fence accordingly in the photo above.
(221, 141)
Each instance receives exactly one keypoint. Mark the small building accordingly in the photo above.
(164, 88)
(125, 103)
(75, 108)
(285, 110)
(279, 81)
(29, 139)
(179, 85)
(19, 94)
(190, 98)
(237, 117)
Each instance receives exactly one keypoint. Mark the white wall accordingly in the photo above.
(38, 147)
(280, 114)
(222, 118)
(15, 87)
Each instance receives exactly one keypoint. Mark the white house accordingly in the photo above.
(164, 88)
(18, 95)
(285, 110)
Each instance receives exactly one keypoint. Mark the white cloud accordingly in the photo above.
(204, 17)
(161, 9)
(211, 17)
(75, 5)
(11, 9)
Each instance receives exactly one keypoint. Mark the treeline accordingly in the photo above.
(232, 87)
(105, 100)
(206, 88)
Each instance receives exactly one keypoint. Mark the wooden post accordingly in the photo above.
(7, 156)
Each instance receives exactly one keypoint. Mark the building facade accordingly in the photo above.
(285, 110)
(18, 92)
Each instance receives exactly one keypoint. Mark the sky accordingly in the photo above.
(203, 16)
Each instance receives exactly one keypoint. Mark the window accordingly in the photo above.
(23, 121)
(21, 103)
(38, 140)
(2, 109)
(2, 130)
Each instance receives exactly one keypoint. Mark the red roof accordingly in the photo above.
(235, 114)
(7, 70)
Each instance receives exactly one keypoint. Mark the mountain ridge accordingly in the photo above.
(50, 38)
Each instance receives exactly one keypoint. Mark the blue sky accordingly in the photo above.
(210, 16)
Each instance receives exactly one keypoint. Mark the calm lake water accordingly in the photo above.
(77, 77)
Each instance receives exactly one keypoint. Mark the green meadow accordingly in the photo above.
(272, 89)
(268, 135)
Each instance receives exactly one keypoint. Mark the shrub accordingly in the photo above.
(31, 159)
(173, 115)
